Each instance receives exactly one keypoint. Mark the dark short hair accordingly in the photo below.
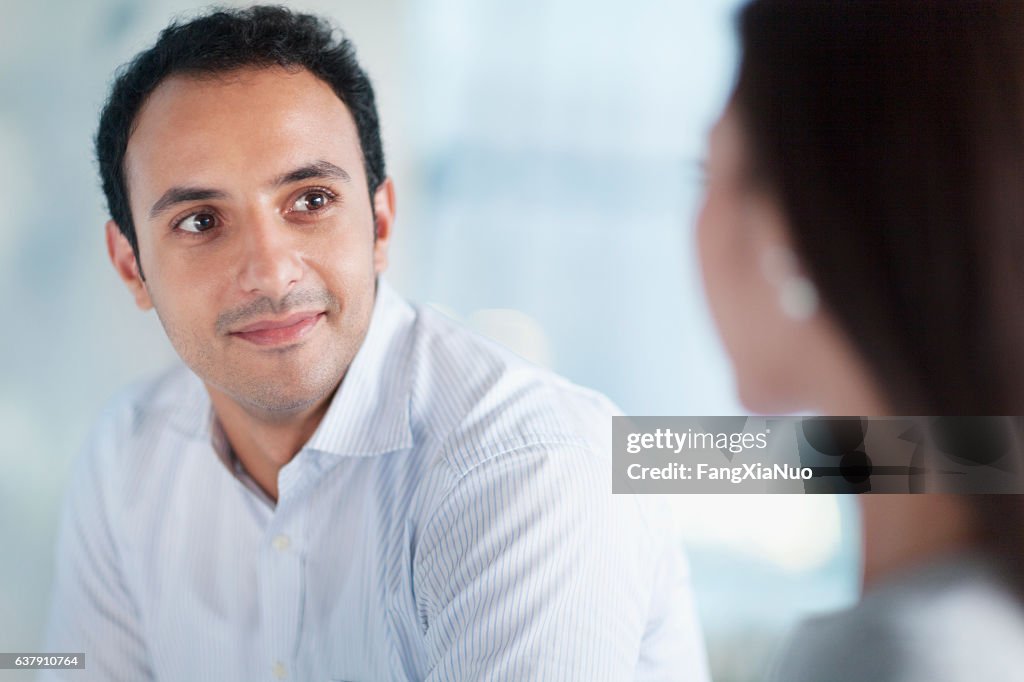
(892, 136)
(224, 40)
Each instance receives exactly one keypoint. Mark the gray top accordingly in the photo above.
(952, 621)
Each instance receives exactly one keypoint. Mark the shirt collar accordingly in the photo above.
(369, 414)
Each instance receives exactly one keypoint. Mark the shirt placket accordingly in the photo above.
(281, 572)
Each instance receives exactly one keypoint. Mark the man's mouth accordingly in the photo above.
(275, 332)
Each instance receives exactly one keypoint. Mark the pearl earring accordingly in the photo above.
(798, 297)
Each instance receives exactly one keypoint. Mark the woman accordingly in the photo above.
(862, 243)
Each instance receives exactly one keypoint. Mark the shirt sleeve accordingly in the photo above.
(92, 610)
(531, 569)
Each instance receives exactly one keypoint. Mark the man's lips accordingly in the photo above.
(275, 332)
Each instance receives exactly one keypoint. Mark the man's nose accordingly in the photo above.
(270, 261)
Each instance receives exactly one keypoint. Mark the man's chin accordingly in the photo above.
(277, 395)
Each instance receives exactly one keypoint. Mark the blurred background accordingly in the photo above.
(546, 157)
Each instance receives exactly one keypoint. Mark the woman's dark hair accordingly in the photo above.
(221, 41)
(891, 133)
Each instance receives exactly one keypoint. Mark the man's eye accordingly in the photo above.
(197, 222)
(311, 201)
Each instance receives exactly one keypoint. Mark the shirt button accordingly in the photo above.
(279, 670)
(281, 543)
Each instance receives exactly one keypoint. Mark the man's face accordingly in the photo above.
(255, 231)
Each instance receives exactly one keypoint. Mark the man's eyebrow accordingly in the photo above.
(317, 169)
(180, 195)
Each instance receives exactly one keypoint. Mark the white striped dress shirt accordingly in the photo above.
(450, 519)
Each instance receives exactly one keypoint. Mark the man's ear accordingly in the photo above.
(123, 258)
(384, 210)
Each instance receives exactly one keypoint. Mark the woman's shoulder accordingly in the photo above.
(952, 621)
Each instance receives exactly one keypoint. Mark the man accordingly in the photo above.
(338, 486)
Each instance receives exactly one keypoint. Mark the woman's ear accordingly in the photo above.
(782, 268)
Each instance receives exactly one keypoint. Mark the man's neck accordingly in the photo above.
(265, 443)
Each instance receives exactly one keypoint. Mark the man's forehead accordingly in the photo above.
(244, 98)
(217, 92)
(263, 120)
